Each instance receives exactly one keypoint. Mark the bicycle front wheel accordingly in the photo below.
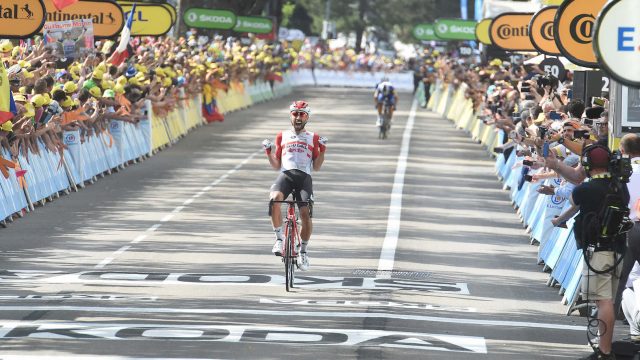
(289, 259)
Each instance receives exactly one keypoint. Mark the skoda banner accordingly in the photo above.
(209, 19)
(253, 24)
(455, 29)
(424, 32)
(617, 41)
(482, 31)
(510, 31)
(541, 31)
(21, 18)
(573, 30)
(107, 16)
(150, 19)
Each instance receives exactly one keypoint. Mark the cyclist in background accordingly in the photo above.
(385, 92)
(297, 153)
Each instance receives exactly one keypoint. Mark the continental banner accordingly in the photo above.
(541, 31)
(107, 16)
(510, 31)
(482, 31)
(21, 18)
(150, 19)
(573, 30)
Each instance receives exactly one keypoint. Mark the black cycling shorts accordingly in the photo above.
(294, 180)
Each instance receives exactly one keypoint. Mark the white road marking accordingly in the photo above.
(388, 253)
(297, 314)
(293, 336)
(176, 210)
(85, 357)
(79, 296)
(365, 303)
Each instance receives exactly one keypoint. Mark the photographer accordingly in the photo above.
(602, 252)
(630, 146)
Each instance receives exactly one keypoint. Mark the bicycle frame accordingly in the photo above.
(291, 238)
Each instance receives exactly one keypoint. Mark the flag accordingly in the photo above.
(7, 106)
(122, 52)
(60, 4)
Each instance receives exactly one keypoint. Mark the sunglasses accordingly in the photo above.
(299, 113)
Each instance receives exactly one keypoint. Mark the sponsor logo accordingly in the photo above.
(315, 282)
(626, 39)
(69, 138)
(215, 19)
(581, 28)
(192, 17)
(245, 334)
(546, 31)
(443, 28)
(557, 200)
(365, 303)
(505, 31)
(21, 18)
(13, 11)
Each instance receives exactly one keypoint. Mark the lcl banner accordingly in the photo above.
(541, 31)
(482, 31)
(21, 18)
(510, 31)
(107, 16)
(617, 41)
(573, 30)
(149, 19)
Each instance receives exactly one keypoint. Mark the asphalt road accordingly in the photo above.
(170, 258)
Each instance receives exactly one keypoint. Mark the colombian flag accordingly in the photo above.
(7, 106)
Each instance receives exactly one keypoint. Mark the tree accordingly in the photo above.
(300, 19)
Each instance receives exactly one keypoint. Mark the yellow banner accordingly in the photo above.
(150, 19)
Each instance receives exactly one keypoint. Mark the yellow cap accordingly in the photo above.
(15, 52)
(38, 100)
(6, 46)
(31, 111)
(19, 97)
(122, 80)
(166, 82)
(102, 67)
(97, 74)
(95, 92)
(118, 89)
(22, 90)
(47, 98)
(67, 102)
(7, 126)
(70, 87)
(27, 74)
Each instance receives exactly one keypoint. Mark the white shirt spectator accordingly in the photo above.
(634, 190)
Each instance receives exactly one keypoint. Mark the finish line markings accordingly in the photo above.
(175, 211)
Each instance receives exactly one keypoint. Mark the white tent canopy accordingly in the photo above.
(493, 8)
(567, 64)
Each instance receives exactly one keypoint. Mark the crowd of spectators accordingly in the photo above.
(555, 135)
(53, 94)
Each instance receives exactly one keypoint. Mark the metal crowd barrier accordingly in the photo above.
(557, 251)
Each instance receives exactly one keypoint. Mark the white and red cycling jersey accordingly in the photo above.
(297, 151)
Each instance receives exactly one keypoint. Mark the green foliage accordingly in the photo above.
(287, 11)
(388, 16)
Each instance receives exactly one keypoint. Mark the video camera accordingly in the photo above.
(620, 167)
(546, 80)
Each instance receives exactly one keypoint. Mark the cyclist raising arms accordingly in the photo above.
(297, 152)
(384, 92)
